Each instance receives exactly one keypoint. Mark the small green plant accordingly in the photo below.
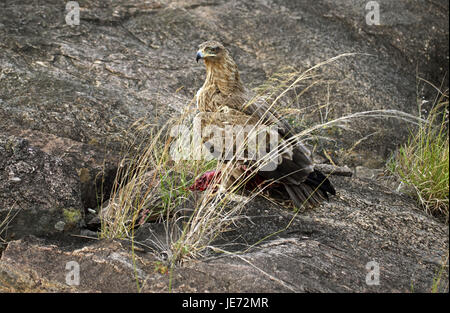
(423, 162)
(161, 268)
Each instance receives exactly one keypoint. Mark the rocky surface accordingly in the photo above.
(69, 95)
(132, 59)
(324, 250)
(39, 193)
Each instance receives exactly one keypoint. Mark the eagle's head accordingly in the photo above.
(212, 51)
(221, 71)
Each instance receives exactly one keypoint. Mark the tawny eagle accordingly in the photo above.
(223, 99)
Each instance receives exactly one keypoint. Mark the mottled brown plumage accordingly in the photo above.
(224, 100)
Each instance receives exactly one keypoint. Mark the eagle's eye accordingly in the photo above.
(214, 49)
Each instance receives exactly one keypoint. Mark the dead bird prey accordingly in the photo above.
(223, 101)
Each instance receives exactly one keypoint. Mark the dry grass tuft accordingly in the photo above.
(423, 162)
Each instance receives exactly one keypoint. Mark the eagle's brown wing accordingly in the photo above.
(298, 162)
(294, 169)
(247, 102)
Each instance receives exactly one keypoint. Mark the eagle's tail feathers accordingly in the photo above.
(311, 192)
(317, 179)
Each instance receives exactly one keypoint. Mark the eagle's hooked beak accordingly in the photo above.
(200, 55)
